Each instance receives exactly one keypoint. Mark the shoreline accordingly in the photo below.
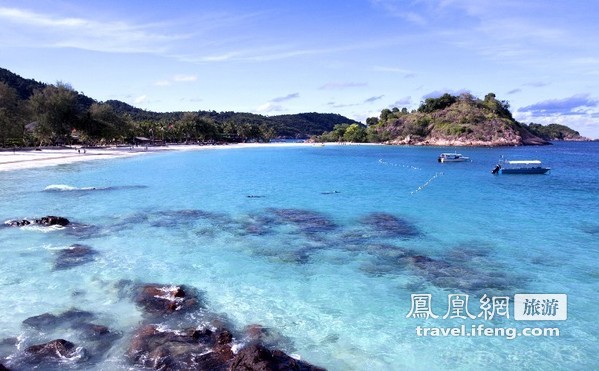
(11, 160)
(33, 158)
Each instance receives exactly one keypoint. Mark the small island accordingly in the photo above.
(449, 120)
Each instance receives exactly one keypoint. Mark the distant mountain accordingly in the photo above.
(302, 125)
(555, 132)
(24, 87)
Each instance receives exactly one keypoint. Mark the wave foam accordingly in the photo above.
(66, 188)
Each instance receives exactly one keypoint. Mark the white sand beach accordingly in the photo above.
(16, 160)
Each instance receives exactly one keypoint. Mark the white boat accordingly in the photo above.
(452, 157)
(520, 167)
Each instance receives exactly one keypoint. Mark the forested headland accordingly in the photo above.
(37, 114)
(462, 120)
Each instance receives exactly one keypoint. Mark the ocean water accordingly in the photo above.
(326, 250)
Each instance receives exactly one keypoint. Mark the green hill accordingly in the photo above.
(446, 121)
(34, 112)
(555, 132)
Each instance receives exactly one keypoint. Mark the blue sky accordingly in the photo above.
(352, 57)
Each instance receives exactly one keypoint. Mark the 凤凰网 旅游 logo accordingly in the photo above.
(526, 307)
(540, 307)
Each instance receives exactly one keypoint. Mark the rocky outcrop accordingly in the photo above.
(55, 349)
(203, 349)
(454, 121)
(73, 256)
(46, 221)
(48, 321)
(159, 299)
(189, 349)
(256, 357)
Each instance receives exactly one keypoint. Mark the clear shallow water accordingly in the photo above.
(339, 294)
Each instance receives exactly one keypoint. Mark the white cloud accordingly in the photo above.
(176, 79)
(285, 98)
(334, 85)
(185, 78)
(162, 83)
(270, 107)
(403, 102)
(140, 99)
(48, 30)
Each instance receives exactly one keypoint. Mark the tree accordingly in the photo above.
(371, 121)
(502, 108)
(385, 114)
(56, 111)
(103, 124)
(433, 104)
(205, 128)
(267, 133)
(355, 133)
(11, 115)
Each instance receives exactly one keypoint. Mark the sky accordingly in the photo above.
(352, 57)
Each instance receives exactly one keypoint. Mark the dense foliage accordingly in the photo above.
(33, 113)
(448, 119)
(554, 132)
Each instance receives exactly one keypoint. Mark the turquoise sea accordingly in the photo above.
(325, 253)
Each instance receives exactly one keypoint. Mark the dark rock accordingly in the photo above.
(18, 223)
(45, 221)
(266, 336)
(391, 226)
(74, 256)
(55, 349)
(256, 357)
(8, 346)
(48, 321)
(42, 322)
(173, 218)
(2, 368)
(76, 316)
(164, 299)
(93, 331)
(308, 222)
(99, 338)
(448, 274)
(52, 220)
(260, 224)
(84, 230)
(181, 350)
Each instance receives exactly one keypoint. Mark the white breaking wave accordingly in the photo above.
(65, 188)
(42, 228)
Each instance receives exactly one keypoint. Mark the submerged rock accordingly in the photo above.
(74, 256)
(448, 274)
(264, 335)
(202, 349)
(49, 321)
(307, 221)
(256, 357)
(390, 226)
(165, 299)
(55, 349)
(190, 349)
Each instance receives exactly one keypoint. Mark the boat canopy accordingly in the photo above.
(524, 162)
